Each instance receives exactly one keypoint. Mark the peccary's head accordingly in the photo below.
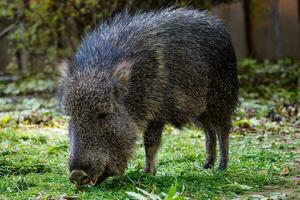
(102, 134)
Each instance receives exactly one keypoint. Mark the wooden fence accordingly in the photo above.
(263, 29)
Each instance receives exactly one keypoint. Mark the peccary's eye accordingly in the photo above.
(102, 115)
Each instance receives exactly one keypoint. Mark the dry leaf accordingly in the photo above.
(285, 171)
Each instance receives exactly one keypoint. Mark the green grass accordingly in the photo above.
(32, 165)
(265, 140)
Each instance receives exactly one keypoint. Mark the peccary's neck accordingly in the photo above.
(101, 54)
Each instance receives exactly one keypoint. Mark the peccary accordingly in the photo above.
(137, 72)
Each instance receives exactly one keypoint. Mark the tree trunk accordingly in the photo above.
(22, 54)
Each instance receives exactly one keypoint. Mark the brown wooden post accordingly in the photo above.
(234, 17)
(248, 27)
(290, 28)
(261, 26)
(277, 29)
(299, 10)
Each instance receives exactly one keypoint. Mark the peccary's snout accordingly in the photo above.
(79, 177)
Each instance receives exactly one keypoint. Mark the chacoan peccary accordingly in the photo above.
(136, 72)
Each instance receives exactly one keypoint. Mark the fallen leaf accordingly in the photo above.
(285, 171)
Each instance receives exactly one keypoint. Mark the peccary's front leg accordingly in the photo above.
(152, 140)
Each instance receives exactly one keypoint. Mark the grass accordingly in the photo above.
(33, 165)
(264, 149)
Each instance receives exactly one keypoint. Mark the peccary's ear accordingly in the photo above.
(64, 68)
(121, 74)
(122, 71)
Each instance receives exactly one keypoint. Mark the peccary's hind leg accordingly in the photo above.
(210, 144)
(210, 141)
(215, 126)
(152, 140)
(223, 138)
(224, 148)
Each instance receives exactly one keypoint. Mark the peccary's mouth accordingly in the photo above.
(94, 181)
(98, 179)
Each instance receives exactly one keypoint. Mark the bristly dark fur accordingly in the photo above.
(140, 71)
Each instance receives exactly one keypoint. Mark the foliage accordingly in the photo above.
(28, 86)
(278, 80)
(50, 30)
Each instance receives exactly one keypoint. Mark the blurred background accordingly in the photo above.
(35, 34)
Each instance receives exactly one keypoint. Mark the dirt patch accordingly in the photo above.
(276, 193)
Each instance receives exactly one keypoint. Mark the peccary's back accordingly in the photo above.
(184, 63)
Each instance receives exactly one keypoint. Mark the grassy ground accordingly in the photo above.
(264, 151)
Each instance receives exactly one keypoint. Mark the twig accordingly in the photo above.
(7, 30)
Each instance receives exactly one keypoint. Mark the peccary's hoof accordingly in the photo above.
(208, 165)
(150, 170)
(222, 167)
